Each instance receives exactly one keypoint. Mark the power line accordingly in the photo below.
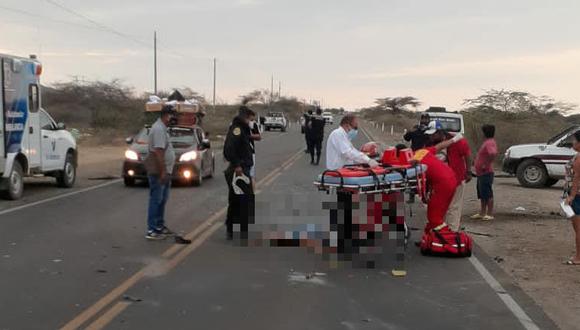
(27, 13)
(97, 24)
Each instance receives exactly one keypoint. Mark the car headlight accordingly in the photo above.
(131, 155)
(188, 156)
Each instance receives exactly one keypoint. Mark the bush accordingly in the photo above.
(98, 105)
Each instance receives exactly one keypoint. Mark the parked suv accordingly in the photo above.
(543, 164)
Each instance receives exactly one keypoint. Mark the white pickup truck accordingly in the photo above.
(275, 120)
(542, 164)
(328, 117)
(31, 143)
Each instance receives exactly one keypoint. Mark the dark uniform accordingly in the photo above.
(417, 137)
(238, 152)
(316, 136)
(307, 130)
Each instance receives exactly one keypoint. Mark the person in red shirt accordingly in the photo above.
(484, 172)
(441, 181)
(459, 159)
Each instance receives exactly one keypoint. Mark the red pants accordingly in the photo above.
(441, 197)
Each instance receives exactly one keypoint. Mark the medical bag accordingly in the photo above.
(445, 242)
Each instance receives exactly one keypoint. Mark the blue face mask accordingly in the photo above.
(352, 134)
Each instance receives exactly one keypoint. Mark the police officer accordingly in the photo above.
(316, 136)
(308, 129)
(238, 152)
(417, 135)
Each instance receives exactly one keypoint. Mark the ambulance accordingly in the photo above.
(31, 142)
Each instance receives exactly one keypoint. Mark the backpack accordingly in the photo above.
(444, 242)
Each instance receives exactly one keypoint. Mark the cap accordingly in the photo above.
(433, 127)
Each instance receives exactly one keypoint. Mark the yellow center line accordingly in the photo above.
(106, 318)
(114, 294)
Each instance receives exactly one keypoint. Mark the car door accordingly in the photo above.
(51, 158)
(557, 155)
(204, 153)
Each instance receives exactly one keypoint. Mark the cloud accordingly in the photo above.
(548, 63)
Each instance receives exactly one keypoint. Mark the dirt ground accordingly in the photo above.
(529, 244)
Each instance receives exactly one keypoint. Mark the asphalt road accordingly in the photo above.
(82, 262)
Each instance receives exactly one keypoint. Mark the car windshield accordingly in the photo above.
(274, 115)
(562, 134)
(179, 136)
(448, 123)
(182, 137)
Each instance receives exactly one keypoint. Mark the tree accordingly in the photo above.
(257, 96)
(517, 101)
(397, 104)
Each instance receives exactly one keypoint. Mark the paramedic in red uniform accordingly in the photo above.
(459, 159)
(441, 181)
(341, 152)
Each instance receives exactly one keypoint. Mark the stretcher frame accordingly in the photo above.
(412, 186)
(405, 184)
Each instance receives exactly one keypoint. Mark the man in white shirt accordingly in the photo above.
(340, 152)
(339, 148)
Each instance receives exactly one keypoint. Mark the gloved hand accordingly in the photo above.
(373, 163)
(457, 137)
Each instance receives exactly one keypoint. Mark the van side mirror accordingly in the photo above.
(61, 126)
(205, 144)
(129, 140)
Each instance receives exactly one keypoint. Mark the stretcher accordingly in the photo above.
(364, 180)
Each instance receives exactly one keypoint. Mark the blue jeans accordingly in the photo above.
(158, 196)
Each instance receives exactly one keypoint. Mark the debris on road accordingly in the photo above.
(478, 234)
(101, 271)
(180, 240)
(498, 259)
(520, 209)
(103, 178)
(131, 299)
(399, 273)
(56, 260)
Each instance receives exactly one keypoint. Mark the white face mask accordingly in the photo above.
(252, 123)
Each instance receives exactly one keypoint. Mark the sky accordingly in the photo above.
(344, 53)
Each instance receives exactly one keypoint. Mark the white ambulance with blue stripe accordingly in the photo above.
(31, 143)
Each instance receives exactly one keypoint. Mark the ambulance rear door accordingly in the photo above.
(2, 115)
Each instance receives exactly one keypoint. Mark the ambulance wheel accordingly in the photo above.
(15, 183)
(67, 177)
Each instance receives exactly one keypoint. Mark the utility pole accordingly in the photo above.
(279, 89)
(155, 61)
(214, 80)
(272, 89)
